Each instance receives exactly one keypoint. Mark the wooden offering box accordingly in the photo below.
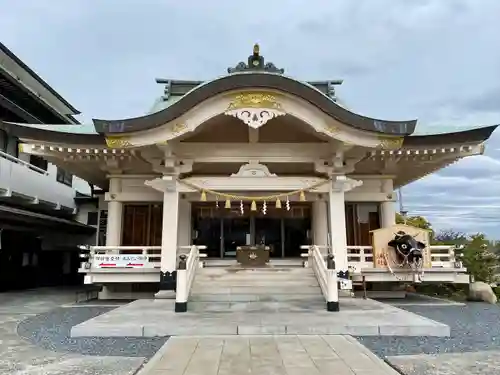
(252, 255)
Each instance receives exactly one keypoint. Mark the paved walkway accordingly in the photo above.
(265, 355)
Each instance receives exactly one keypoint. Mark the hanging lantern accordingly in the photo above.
(302, 196)
(216, 201)
(264, 208)
(242, 208)
(278, 203)
(253, 207)
(228, 203)
(287, 204)
(203, 197)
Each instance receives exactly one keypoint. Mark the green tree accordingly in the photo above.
(479, 260)
(414, 221)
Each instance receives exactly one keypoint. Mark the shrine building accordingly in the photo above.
(252, 157)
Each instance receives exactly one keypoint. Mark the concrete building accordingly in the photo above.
(38, 233)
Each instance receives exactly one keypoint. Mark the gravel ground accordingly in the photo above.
(474, 327)
(51, 331)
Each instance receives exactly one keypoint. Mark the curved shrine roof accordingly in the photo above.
(252, 80)
(256, 74)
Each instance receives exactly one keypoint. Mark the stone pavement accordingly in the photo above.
(358, 317)
(474, 363)
(265, 355)
(18, 357)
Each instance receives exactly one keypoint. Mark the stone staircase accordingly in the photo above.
(267, 289)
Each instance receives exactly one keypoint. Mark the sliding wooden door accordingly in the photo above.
(142, 224)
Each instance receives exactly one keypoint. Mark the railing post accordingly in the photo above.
(332, 303)
(181, 290)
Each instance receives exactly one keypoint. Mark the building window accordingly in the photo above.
(92, 218)
(12, 147)
(39, 162)
(361, 218)
(4, 138)
(64, 177)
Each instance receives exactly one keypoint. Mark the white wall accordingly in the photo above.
(21, 179)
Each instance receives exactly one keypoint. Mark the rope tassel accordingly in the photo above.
(253, 207)
(302, 196)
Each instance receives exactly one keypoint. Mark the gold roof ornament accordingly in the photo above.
(116, 141)
(255, 62)
(256, 49)
(254, 108)
(254, 100)
(390, 143)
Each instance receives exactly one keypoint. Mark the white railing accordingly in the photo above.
(186, 271)
(22, 162)
(118, 256)
(359, 257)
(25, 179)
(325, 274)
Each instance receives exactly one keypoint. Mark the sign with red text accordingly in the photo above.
(121, 261)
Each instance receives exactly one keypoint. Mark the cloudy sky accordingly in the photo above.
(437, 61)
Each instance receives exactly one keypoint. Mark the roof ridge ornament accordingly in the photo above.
(255, 63)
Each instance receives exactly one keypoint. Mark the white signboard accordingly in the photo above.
(120, 261)
(345, 284)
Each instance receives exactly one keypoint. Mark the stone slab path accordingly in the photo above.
(358, 317)
(265, 355)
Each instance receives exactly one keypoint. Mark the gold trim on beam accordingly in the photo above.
(390, 143)
(117, 141)
(254, 100)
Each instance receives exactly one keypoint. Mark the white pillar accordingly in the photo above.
(320, 224)
(184, 224)
(115, 216)
(338, 232)
(388, 208)
(168, 260)
(337, 223)
(387, 214)
(169, 231)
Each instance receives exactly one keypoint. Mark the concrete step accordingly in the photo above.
(254, 271)
(252, 280)
(207, 297)
(255, 283)
(261, 290)
(289, 306)
(277, 276)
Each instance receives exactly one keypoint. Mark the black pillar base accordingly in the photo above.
(181, 306)
(168, 280)
(332, 306)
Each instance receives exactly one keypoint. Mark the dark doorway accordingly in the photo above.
(236, 233)
(296, 235)
(223, 230)
(207, 232)
(268, 232)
